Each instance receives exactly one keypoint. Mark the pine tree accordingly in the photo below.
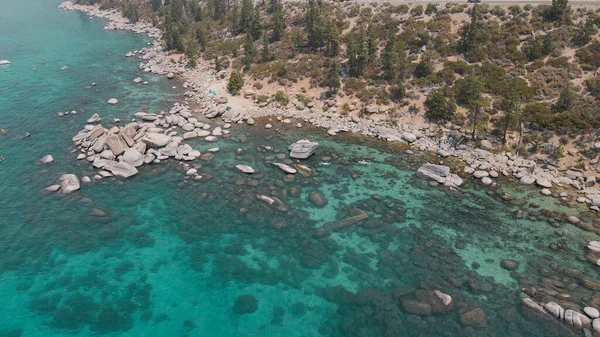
(236, 26)
(314, 25)
(371, 44)
(389, 60)
(332, 39)
(155, 5)
(246, 15)
(356, 55)
(219, 9)
(469, 38)
(236, 82)
(274, 6)
(255, 28)
(436, 106)
(511, 105)
(265, 53)
(566, 100)
(249, 51)
(332, 80)
(201, 37)
(190, 54)
(278, 25)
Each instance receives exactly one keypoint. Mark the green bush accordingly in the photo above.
(236, 82)
(281, 98)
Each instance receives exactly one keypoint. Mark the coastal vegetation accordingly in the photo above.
(489, 70)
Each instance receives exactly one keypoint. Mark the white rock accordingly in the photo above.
(122, 170)
(94, 119)
(480, 174)
(47, 159)
(527, 179)
(138, 80)
(446, 299)
(133, 157)
(486, 180)
(542, 182)
(546, 192)
(86, 179)
(245, 168)
(302, 149)
(156, 139)
(285, 168)
(113, 101)
(191, 172)
(409, 137)
(591, 312)
(266, 199)
(268, 126)
(69, 183)
(486, 144)
(53, 188)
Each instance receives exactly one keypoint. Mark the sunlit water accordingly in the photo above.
(176, 257)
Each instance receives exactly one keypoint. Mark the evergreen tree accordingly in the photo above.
(314, 25)
(566, 100)
(190, 54)
(196, 11)
(355, 55)
(423, 69)
(265, 55)
(173, 38)
(559, 11)
(274, 6)
(176, 11)
(278, 25)
(246, 15)
(332, 38)
(436, 106)
(236, 82)
(450, 106)
(371, 44)
(249, 51)
(201, 37)
(155, 5)
(511, 105)
(255, 28)
(219, 9)
(332, 80)
(468, 42)
(236, 27)
(469, 92)
(389, 59)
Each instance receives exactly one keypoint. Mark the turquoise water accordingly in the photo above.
(173, 257)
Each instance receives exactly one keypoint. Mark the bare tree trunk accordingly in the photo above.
(506, 122)
(520, 137)
(476, 113)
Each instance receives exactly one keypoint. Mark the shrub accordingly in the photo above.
(281, 98)
(417, 10)
(236, 82)
(431, 8)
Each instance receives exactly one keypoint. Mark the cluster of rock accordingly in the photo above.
(120, 150)
(440, 174)
(569, 316)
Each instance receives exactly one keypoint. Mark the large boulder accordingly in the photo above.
(113, 101)
(416, 307)
(153, 139)
(116, 144)
(69, 183)
(285, 168)
(440, 174)
(122, 170)
(303, 149)
(133, 157)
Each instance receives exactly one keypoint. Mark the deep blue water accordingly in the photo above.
(180, 258)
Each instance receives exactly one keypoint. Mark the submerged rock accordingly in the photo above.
(245, 304)
(473, 316)
(317, 198)
(509, 264)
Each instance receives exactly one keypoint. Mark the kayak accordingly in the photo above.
(4, 62)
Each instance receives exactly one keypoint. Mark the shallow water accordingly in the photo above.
(171, 256)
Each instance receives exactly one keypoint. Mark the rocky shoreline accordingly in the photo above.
(480, 162)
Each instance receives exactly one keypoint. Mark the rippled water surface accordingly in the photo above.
(162, 255)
